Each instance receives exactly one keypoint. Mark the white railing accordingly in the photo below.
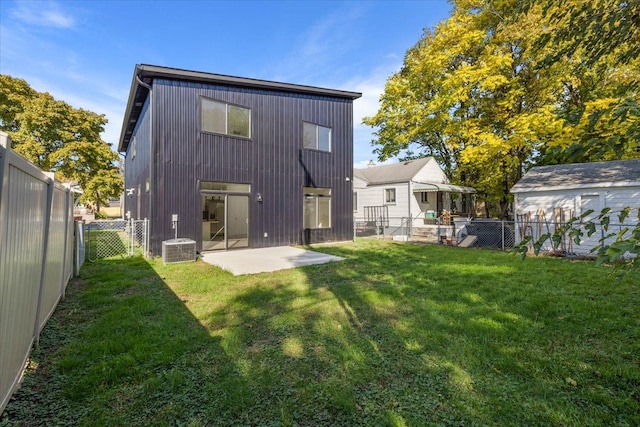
(36, 258)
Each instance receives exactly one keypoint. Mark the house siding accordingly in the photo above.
(571, 202)
(136, 169)
(272, 161)
(431, 172)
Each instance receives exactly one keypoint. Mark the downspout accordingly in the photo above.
(151, 159)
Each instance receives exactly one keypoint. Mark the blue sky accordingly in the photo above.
(84, 52)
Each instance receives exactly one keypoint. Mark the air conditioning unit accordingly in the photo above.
(178, 250)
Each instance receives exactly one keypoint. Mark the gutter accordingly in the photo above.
(152, 158)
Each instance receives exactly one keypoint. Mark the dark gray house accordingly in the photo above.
(241, 162)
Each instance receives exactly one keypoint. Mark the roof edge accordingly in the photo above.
(156, 71)
(611, 184)
(150, 72)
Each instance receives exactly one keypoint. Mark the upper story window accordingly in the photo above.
(316, 137)
(228, 119)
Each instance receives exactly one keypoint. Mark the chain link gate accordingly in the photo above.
(113, 238)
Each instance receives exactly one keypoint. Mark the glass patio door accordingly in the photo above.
(225, 220)
(237, 220)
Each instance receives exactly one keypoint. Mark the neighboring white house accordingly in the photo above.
(547, 196)
(412, 189)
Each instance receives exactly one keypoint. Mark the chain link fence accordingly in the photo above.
(116, 238)
(485, 233)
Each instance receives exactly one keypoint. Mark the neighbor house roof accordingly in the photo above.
(395, 172)
(145, 74)
(580, 175)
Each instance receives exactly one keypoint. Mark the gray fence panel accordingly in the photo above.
(79, 246)
(55, 259)
(70, 229)
(22, 241)
(30, 271)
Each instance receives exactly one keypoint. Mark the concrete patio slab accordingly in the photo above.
(252, 261)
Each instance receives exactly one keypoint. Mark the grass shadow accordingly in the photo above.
(122, 349)
(394, 335)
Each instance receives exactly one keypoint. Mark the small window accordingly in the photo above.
(390, 195)
(316, 137)
(219, 117)
(424, 197)
(355, 201)
(317, 207)
(133, 148)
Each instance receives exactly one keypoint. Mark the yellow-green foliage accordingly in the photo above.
(480, 94)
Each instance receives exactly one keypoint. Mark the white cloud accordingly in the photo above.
(45, 14)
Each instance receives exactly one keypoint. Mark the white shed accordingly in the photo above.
(548, 196)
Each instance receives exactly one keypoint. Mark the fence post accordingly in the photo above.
(47, 225)
(66, 240)
(146, 238)
(503, 235)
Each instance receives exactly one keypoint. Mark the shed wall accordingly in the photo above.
(573, 203)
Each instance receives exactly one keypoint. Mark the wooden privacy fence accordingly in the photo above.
(36, 258)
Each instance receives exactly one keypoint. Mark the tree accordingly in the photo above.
(600, 41)
(479, 93)
(468, 93)
(60, 138)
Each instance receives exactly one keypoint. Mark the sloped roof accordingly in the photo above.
(395, 172)
(580, 175)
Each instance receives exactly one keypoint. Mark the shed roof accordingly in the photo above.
(580, 175)
(395, 172)
(147, 73)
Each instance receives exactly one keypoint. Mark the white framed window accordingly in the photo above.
(317, 207)
(390, 196)
(424, 197)
(355, 201)
(227, 119)
(316, 137)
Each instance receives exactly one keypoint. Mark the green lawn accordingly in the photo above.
(395, 335)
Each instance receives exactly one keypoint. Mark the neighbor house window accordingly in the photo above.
(316, 137)
(424, 197)
(220, 117)
(355, 201)
(389, 195)
(317, 207)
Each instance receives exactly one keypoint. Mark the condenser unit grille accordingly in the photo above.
(178, 250)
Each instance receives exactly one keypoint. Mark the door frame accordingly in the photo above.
(226, 195)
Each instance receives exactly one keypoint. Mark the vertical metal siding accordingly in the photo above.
(136, 170)
(272, 161)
